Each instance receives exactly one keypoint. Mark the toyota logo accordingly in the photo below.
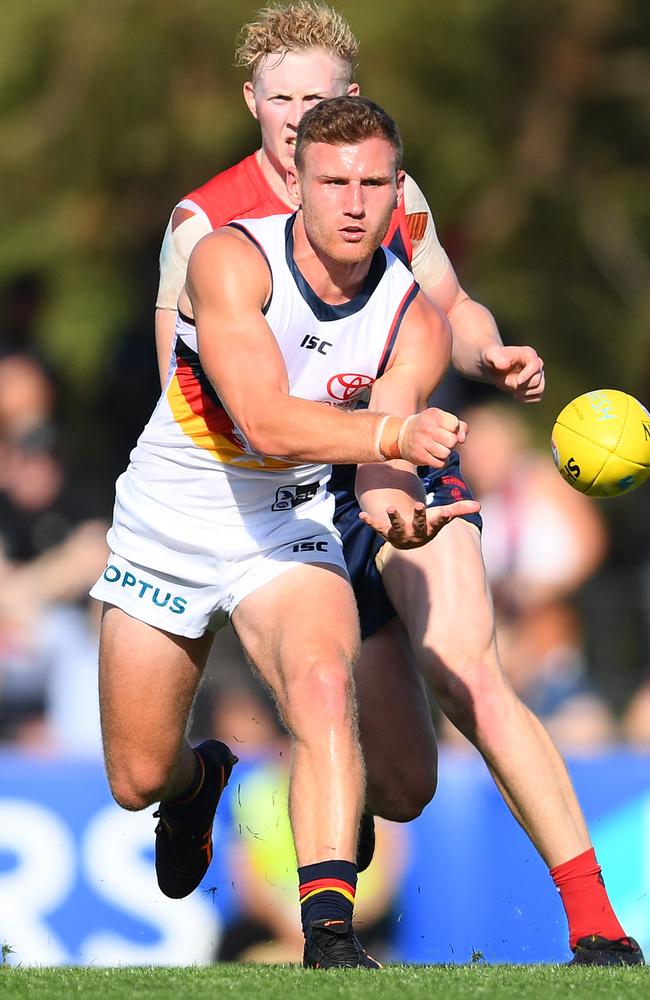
(348, 385)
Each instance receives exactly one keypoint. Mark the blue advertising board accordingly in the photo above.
(77, 884)
(476, 888)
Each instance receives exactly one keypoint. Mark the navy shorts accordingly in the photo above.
(361, 543)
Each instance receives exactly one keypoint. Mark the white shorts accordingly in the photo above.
(185, 570)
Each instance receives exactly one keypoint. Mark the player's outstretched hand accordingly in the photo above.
(516, 370)
(424, 525)
(428, 437)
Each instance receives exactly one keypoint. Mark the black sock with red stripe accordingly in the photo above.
(327, 891)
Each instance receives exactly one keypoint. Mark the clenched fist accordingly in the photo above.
(428, 437)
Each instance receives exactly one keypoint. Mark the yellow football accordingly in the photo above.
(601, 443)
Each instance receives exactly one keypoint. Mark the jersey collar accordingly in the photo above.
(323, 311)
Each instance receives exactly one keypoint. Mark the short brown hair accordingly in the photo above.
(286, 27)
(341, 120)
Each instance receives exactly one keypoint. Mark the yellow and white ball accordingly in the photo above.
(601, 443)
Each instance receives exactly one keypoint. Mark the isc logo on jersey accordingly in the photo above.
(312, 343)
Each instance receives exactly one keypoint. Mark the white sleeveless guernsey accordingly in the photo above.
(201, 519)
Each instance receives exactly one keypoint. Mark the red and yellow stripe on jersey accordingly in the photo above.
(198, 412)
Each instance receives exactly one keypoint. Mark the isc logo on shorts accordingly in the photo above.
(309, 547)
(145, 590)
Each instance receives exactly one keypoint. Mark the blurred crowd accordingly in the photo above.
(571, 591)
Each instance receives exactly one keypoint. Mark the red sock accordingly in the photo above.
(585, 899)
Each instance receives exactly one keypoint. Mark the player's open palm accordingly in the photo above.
(411, 532)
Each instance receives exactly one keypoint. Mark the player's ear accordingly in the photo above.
(293, 186)
(353, 90)
(249, 97)
(400, 187)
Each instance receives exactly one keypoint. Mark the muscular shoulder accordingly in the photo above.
(225, 261)
(424, 328)
(420, 357)
(424, 315)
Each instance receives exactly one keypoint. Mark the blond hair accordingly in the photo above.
(287, 27)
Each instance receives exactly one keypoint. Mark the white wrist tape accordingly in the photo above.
(378, 433)
(400, 436)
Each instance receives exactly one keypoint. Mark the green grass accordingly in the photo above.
(398, 982)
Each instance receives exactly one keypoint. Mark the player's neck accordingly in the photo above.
(274, 180)
(332, 281)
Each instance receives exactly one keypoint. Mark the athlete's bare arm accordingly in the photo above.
(228, 283)
(164, 325)
(478, 351)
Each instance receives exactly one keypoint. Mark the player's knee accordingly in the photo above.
(321, 696)
(137, 785)
(460, 701)
(473, 693)
(498, 709)
(403, 801)
(458, 680)
(131, 797)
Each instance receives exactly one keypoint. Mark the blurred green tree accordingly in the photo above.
(526, 125)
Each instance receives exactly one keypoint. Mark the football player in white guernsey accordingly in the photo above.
(299, 53)
(287, 312)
